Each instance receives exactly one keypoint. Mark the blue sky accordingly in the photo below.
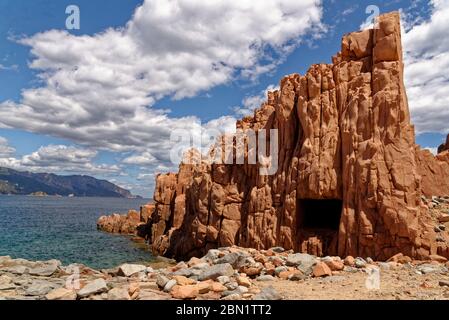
(34, 59)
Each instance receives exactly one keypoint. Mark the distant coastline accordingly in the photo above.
(47, 184)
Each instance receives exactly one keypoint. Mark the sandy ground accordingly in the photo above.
(403, 284)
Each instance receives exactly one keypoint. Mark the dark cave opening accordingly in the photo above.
(318, 224)
(320, 214)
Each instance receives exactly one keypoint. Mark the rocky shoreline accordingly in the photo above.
(231, 273)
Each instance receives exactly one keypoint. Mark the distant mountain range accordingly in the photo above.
(27, 183)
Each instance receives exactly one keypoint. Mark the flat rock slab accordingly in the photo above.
(44, 271)
(61, 294)
(118, 294)
(96, 286)
(39, 288)
(15, 269)
(216, 271)
(128, 270)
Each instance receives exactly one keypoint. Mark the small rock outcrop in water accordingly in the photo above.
(229, 274)
(350, 177)
(133, 223)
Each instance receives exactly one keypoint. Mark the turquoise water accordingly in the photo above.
(65, 229)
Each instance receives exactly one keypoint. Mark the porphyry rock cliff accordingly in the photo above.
(350, 178)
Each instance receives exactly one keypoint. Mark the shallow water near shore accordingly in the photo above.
(43, 228)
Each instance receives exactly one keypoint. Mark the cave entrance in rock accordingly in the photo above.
(318, 224)
(321, 214)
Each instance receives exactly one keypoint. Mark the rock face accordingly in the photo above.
(434, 171)
(349, 180)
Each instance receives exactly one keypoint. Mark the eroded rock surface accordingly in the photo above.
(434, 171)
(350, 178)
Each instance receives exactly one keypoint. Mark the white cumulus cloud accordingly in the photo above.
(145, 158)
(426, 46)
(5, 148)
(59, 159)
(251, 103)
(98, 90)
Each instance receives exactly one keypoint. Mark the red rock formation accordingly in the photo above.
(349, 180)
(133, 223)
(434, 171)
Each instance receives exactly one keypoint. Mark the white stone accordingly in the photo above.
(170, 285)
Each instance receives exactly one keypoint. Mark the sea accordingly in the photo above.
(62, 228)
